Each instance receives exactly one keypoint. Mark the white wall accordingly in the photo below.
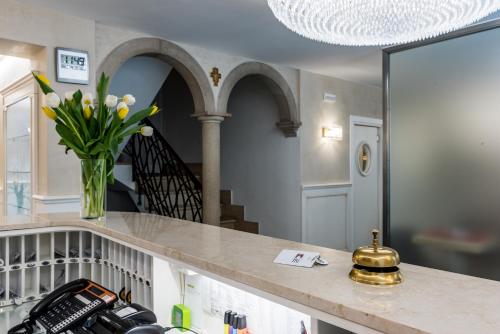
(12, 69)
(258, 163)
(48, 29)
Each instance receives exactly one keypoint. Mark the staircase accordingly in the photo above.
(232, 215)
(151, 177)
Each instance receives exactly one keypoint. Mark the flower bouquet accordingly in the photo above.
(94, 129)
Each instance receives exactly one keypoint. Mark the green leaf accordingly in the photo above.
(94, 128)
(114, 146)
(77, 111)
(92, 142)
(77, 97)
(70, 122)
(137, 117)
(130, 131)
(44, 87)
(102, 91)
(70, 139)
(98, 148)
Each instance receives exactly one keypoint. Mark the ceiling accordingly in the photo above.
(239, 27)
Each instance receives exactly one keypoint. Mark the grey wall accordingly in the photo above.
(325, 161)
(142, 77)
(258, 163)
(182, 131)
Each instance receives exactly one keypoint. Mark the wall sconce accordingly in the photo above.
(334, 132)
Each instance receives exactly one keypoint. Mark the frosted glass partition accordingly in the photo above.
(444, 170)
(18, 161)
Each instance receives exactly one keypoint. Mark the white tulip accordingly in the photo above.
(147, 131)
(111, 101)
(53, 100)
(88, 99)
(69, 95)
(129, 99)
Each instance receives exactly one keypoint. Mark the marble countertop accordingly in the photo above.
(428, 301)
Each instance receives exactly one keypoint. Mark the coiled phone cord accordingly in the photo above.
(25, 326)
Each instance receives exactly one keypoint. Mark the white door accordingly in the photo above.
(366, 182)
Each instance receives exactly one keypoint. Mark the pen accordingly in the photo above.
(227, 321)
(234, 324)
(242, 324)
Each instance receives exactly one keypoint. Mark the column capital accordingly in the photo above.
(211, 118)
(289, 128)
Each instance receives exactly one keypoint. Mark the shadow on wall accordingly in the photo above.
(258, 163)
(181, 131)
(151, 80)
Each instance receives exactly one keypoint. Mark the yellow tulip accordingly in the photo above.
(122, 110)
(154, 111)
(87, 112)
(49, 112)
(43, 79)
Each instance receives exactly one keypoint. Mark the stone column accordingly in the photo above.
(211, 168)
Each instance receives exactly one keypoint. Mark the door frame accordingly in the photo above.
(13, 93)
(378, 124)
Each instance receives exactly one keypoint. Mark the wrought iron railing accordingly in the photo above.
(168, 185)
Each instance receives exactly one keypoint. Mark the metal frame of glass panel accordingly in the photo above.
(386, 53)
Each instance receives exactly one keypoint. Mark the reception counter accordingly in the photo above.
(428, 301)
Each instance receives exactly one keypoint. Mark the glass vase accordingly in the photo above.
(93, 189)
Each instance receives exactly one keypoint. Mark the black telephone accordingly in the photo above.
(127, 319)
(85, 307)
(66, 307)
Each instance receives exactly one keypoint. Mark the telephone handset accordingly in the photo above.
(67, 306)
(126, 319)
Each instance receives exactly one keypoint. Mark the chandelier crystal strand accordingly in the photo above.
(378, 22)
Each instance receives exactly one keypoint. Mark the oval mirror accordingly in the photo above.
(364, 158)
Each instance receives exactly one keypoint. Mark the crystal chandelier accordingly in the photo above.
(378, 22)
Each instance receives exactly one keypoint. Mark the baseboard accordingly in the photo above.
(50, 204)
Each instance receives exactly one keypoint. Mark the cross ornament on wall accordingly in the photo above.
(216, 76)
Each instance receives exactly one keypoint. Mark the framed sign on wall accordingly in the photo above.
(72, 66)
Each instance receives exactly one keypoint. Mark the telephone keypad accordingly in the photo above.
(66, 313)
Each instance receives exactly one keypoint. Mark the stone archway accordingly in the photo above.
(204, 107)
(173, 54)
(289, 116)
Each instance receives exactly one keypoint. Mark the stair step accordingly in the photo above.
(251, 227)
(226, 197)
(228, 223)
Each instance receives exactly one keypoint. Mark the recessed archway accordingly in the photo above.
(173, 54)
(288, 112)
